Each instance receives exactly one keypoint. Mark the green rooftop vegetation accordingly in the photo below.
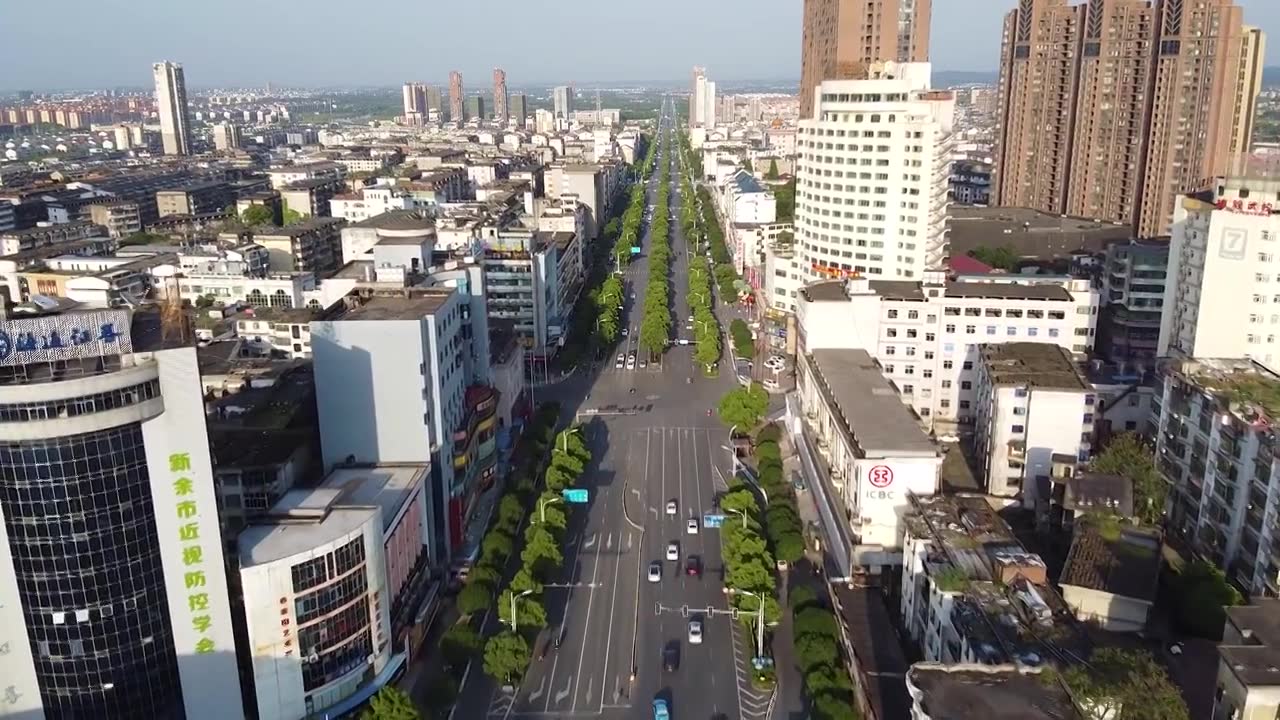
(952, 579)
(1247, 388)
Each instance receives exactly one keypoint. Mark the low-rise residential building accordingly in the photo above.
(310, 198)
(971, 594)
(404, 226)
(121, 218)
(228, 283)
(1216, 446)
(313, 245)
(1248, 686)
(289, 174)
(277, 332)
(199, 198)
(863, 453)
(369, 202)
(1112, 572)
(926, 334)
(16, 241)
(1033, 409)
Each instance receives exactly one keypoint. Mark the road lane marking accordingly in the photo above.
(591, 598)
(591, 684)
(538, 693)
(608, 541)
(562, 694)
(591, 541)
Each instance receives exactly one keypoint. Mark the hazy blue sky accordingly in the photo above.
(91, 43)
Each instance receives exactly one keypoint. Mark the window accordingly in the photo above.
(1053, 332)
(1011, 330)
(1032, 332)
(964, 404)
(944, 403)
(891, 332)
(946, 384)
(913, 314)
(947, 364)
(966, 385)
(970, 329)
(1017, 429)
(927, 373)
(1020, 392)
(1057, 315)
(968, 365)
(991, 329)
(908, 389)
(1019, 411)
(928, 337)
(950, 328)
(893, 314)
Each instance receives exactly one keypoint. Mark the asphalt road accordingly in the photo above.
(654, 441)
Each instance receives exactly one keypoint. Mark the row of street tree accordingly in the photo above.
(655, 324)
(706, 327)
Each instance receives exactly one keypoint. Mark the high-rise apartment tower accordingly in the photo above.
(842, 38)
(455, 97)
(562, 102)
(415, 103)
(500, 96)
(1113, 108)
(171, 104)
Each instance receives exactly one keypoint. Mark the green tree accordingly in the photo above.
(767, 450)
(475, 598)
(815, 651)
(789, 547)
(497, 546)
(550, 514)
(484, 573)
(1127, 456)
(506, 656)
(459, 644)
(802, 598)
(751, 575)
(570, 464)
(524, 580)
(769, 433)
(530, 612)
(825, 679)
(558, 478)
(291, 216)
(814, 621)
(834, 707)
(1126, 685)
(510, 511)
(571, 442)
(1203, 594)
(739, 501)
(541, 553)
(744, 406)
(391, 703)
(255, 215)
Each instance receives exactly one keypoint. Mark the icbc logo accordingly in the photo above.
(881, 476)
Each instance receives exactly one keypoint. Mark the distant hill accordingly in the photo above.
(948, 78)
(1271, 75)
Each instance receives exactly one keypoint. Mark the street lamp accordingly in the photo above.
(733, 453)
(759, 617)
(743, 513)
(513, 607)
(565, 436)
(542, 508)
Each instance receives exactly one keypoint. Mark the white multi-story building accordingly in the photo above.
(1033, 409)
(871, 176)
(369, 202)
(171, 106)
(926, 334)
(862, 452)
(1222, 295)
(284, 333)
(1216, 445)
(390, 382)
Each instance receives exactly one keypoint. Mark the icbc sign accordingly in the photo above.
(881, 476)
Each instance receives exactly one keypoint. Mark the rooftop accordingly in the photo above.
(301, 521)
(308, 225)
(388, 487)
(876, 644)
(1029, 232)
(869, 405)
(1039, 365)
(1115, 558)
(1247, 386)
(1000, 287)
(398, 220)
(1251, 643)
(413, 306)
(1099, 491)
(987, 692)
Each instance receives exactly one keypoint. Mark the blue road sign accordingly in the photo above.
(712, 521)
(574, 495)
(635, 250)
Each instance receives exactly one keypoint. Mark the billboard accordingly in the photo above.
(65, 336)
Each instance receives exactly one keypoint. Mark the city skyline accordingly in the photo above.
(394, 50)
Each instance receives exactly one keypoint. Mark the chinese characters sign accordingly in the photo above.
(64, 337)
(1245, 207)
(194, 580)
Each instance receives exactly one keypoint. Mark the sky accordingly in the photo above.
(110, 43)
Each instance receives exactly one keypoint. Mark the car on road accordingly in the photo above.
(673, 551)
(683, 341)
(624, 332)
(695, 632)
(797, 483)
(692, 527)
(631, 363)
(671, 657)
(693, 566)
(671, 507)
(655, 571)
(643, 364)
(660, 711)
(621, 361)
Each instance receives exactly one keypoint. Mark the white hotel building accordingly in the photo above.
(1222, 295)
(926, 335)
(871, 173)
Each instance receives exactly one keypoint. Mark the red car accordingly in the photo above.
(693, 566)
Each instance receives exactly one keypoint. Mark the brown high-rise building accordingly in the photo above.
(1113, 108)
(500, 96)
(455, 97)
(843, 37)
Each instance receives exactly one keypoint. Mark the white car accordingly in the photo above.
(624, 332)
(655, 572)
(695, 632)
(684, 341)
(643, 364)
(621, 361)
(673, 552)
(692, 527)
(631, 363)
(671, 507)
